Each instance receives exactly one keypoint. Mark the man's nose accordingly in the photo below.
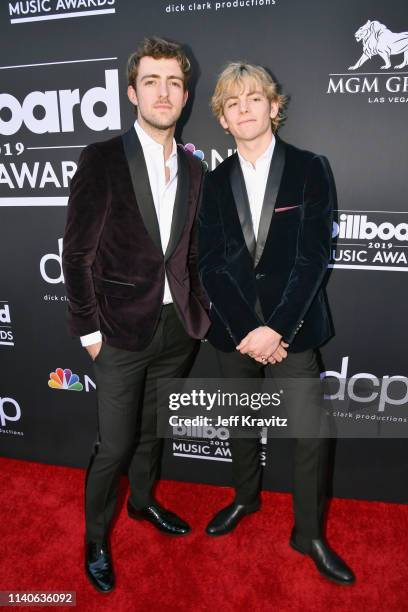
(163, 89)
(243, 106)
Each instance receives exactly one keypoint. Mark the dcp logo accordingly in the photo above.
(366, 388)
(9, 410)
(53, 274)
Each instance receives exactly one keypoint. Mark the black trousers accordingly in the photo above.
(126, 391)
(310, 453)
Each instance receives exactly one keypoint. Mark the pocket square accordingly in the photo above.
(284, 208)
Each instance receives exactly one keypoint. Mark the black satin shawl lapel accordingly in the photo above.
(242, 203)
(271, 192)
(141, 185)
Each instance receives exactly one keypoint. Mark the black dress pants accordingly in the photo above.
(126, 391)
(310, 453)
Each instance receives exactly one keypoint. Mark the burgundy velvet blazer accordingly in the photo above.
(113, 263)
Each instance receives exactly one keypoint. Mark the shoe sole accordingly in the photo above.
(164, 531)
(340, 582)
(224, 533)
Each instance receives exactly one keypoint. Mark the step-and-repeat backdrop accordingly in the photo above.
(63, 85)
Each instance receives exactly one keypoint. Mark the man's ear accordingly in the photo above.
(274, 109)
(132, 95)
(223, 122)
(185, 97)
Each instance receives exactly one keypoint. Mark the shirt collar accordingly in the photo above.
(265, 157)
(148, 142)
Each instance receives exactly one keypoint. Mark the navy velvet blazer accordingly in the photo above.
(113, 263)
(276, 280)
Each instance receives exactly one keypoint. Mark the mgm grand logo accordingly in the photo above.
(378, 42)
(370, 241)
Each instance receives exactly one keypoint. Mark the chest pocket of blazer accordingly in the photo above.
(287, 217)
(288, 211)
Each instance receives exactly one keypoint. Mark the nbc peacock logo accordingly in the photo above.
(65, 380)
(197, 153)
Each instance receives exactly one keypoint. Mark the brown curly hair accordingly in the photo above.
(158, 48)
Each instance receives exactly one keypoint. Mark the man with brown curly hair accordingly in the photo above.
(134, 294)
(264, 247)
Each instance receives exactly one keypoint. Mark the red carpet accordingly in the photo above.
(42, 535)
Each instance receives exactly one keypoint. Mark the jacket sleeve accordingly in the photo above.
(225, 295)
(313, 251)
(87, 208)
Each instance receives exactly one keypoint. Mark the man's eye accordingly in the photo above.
(176, 83)
(150, 82)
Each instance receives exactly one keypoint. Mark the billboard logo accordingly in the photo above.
(58, 109)
(221, 433)
(357, 226)
(6, 332)
(211, 443)
(45, 129)
(65, 380)
(9, 410)
(377, 39)
(370, 240)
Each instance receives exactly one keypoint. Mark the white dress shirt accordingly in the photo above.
(255, 177)
(164, 194)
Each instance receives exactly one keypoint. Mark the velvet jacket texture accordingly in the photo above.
(276, 280)
(113, 262)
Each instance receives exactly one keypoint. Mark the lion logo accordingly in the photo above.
(377, 39)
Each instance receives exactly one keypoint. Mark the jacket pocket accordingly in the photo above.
(104, 286)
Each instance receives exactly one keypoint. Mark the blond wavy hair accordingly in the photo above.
(233, 79)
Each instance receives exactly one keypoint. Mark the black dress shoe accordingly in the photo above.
(328, 563)
(162, 519)
(98, 566)
(228, 518)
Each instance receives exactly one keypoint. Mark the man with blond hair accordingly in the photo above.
(134, 294)
(264, 246)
